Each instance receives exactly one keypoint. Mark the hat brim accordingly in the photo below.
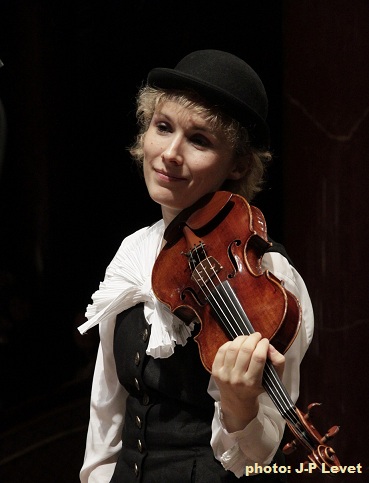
(171, 79)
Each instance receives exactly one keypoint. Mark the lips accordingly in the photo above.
(168, 176)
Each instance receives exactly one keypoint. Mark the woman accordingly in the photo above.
(156, 414)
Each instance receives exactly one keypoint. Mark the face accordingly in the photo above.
(184, 158)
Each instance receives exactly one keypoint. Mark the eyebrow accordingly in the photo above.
(195, 127)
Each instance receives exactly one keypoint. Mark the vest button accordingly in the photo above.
(145, 335)
(139, 446)
(138, 422)
(137, 358)
(137, 471)
(137, 384)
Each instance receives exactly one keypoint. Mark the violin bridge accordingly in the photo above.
(205, 270)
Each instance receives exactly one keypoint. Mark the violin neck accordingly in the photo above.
(235, 322)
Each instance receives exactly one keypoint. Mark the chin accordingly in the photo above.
(166, 198)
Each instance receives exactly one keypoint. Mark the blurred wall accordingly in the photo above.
(326, 112)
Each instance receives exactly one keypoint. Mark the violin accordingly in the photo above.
(211, 265)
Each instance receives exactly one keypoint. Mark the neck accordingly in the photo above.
(168, 215)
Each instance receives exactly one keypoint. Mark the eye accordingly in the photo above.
(162, 127)
(200, 140)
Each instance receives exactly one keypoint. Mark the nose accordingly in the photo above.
(173, 151)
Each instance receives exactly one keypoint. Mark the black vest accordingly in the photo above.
(167, 429)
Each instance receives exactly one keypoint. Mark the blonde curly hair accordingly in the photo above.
(252, 161)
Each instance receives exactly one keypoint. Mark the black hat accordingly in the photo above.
(225, 80)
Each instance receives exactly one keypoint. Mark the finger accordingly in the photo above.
(245, 352)
(225, 359)
(257, 363)
(227, 355)
(218, 362)
(277, 359)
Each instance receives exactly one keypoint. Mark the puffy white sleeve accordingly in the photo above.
(118, 291)
(108, 403)
(260, 439)
(127, 282)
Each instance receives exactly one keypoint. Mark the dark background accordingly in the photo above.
(69, 194)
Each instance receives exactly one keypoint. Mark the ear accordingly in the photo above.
(239, 170)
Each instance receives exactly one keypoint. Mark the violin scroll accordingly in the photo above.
(318, 452)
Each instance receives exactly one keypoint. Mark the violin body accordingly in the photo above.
(236, 238)
(210, 269)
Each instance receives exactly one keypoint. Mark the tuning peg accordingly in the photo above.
(310, 407)
(289, 448)
(331, 433)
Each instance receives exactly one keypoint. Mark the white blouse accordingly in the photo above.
(127, 282)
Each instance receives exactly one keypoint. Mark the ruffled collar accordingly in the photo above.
(127, 282)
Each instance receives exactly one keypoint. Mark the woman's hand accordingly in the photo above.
(238, 371)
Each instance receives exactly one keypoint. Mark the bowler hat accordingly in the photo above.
(226, 81)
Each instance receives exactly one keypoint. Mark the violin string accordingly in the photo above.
(271, 379)
(285, 405)
(288, 412)
(271, 376)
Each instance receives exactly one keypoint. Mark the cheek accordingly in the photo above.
(148, 144)
(214, 168)
(202, 162)
(210, 177)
